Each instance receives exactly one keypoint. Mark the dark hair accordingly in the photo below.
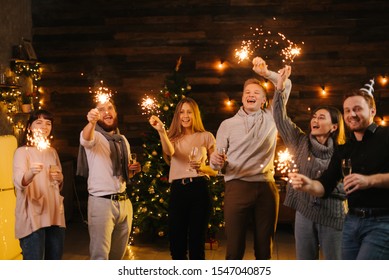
(339, 135)
(34, 115)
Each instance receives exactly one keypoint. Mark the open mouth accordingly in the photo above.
(353, 121)
(251, 101)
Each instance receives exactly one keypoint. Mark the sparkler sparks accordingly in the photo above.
(38, 140)
(290, 52)
(102, 94)
(265, 41)
(285, 163)
(245, 52)
(150, 106)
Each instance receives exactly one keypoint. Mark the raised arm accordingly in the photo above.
(88, 132)
(260, 67)
(167, 146)
(289, 131)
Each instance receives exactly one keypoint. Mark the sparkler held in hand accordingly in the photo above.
(39, 189)
(102, 94)
(38, 139)
(285, 163)
(264, 40)
(150, 106)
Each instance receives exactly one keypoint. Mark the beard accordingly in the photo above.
(108, 128)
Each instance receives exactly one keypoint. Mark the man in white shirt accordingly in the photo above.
(107, 168)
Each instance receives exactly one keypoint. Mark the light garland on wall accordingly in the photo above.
(31, 69)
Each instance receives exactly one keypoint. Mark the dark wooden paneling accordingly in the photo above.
(133, 45)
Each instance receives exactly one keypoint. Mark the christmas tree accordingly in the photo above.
(150, 190)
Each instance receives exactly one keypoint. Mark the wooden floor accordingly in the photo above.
(77, 242)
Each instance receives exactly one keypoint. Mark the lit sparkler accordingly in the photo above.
(245, 52)
(102, 94)
(290, 52)
(38, 139)
(150, 106)
(265, 40)
(285, 163)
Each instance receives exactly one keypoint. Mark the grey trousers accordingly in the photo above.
(255, 202)
(109, 225)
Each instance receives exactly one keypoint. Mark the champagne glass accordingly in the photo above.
(132, 160)
(54, 170)
(346, 170)
(221, 152)
(193, 156)
(346, 167)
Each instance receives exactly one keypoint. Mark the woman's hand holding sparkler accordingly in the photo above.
(301, 182)
(284, 74)
(298, 181)
(157, 124)
(35, 168)
(167, 146)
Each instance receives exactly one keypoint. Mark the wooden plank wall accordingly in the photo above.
(133, 45)
(15, 22)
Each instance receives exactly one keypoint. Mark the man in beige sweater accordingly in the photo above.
(251, 194)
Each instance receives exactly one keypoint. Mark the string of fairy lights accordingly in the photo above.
(257, 42)
(13, 96)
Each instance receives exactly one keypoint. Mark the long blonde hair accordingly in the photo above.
(175, 131)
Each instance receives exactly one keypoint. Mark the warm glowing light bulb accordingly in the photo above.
(228, 102)
(384, 80)
(323, 90)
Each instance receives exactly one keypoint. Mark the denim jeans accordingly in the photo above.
(366, 238)
(44, 244)
(311, 237)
